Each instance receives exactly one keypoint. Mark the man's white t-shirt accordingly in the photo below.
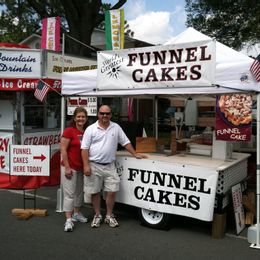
(102, 143)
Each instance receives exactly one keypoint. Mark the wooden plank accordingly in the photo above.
(145, 144)
(206, 103)
(219, 225)
(249, 203)
(34, 212)
(206, 121)
(249, 218)
(177, 103)
(25, 215)
(200, 103)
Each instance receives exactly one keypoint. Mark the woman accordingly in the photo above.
(72, 168)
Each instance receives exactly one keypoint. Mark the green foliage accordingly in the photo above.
(233, 23)
(17, 21)
(20, 18)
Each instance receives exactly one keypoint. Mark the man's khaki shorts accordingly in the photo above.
(103, 177)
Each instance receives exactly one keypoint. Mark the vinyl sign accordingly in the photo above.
(30, 160)
(169, 188)
(54, 64)
(179, 65)
(51, 138)
(89, 103)
(5, 142)
(26, 84)
(234, 117)
(238, 207)
(20, 63)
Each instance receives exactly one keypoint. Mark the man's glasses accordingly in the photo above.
(104, 113)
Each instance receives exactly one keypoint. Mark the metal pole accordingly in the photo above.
(257, 245)
(257, 172)
(156, 117)
(59, 207)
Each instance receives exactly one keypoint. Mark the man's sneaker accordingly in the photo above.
(96, 221)
(78, 217)
(111, 221)
(68, 226)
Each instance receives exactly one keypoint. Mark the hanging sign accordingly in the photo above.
(114, 29)
(30, 160)
(20, 63)
(234, 118)
(179, 65)
(57, 64)
(89, 103)
(26, 84)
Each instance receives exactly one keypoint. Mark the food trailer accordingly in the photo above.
(187, 184)
(23, 119)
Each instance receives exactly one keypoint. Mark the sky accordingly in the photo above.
(154, 21)
(158, 21)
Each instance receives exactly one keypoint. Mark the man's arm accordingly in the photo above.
(131, 150)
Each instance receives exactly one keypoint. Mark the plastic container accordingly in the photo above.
(251, 234)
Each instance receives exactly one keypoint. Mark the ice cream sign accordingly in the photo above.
(30, 160)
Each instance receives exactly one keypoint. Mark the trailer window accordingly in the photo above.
(41, 115)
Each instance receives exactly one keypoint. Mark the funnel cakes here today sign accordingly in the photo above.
(179, 65)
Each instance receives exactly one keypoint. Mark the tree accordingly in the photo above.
(20, 18)
(15, 19)
(233, 23)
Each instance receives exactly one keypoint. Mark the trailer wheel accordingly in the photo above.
(154, 219)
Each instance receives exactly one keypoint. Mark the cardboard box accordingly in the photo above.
(145, 144)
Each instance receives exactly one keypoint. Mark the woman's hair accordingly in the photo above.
(77, 111)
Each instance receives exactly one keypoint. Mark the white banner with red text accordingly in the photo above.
(30, 160)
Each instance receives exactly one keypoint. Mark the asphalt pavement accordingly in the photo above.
(44, 238)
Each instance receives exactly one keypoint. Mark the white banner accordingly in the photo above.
(30, 160)
(70, 63)
(169, 188)
(5, 142)
(238, 207)
(114, 29)
(179, 65)
(51, 138)
(20, 63)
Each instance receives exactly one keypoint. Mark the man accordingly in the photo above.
(99, 145)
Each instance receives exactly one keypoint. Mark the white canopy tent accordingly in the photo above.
(232, 75)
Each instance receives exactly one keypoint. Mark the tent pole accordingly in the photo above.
(59, 205)
(258, 173)
(257, 245)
